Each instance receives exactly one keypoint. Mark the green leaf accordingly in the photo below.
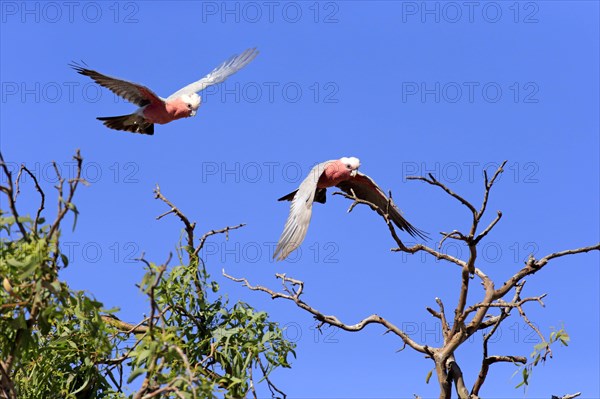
(25, 219)
(539, 347)
(143, 356)
(428, 377)
(73, 208)
(14, 262)
(136, 373)
(520, 384)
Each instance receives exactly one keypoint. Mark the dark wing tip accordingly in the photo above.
(413, 231)
(288, 197)
(404, 225)
(80, 68)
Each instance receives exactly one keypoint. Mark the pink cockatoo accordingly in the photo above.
(342, 173)
(154, 109)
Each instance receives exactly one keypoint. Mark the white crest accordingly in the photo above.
(193, 99)
(352, 161)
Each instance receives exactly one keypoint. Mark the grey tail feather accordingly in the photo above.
(134, 123)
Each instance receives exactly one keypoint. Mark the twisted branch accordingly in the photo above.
(294, 296)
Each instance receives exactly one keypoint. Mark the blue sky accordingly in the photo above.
(408, 87)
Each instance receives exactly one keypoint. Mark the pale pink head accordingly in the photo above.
(338, 171)
(192, 101)
(352, 164)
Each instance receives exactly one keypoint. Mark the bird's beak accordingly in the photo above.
(192, 113)
(354, 172)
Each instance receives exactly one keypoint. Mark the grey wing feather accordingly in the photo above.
(298, 220)
(219, 74)
(135, 93)
(365, 188)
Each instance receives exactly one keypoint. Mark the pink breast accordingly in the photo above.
(157, 113)
(162, 113)
(334, 173)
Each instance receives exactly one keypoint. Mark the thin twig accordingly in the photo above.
(189, 226)
(9, 191)
(434, 182)
(42, 195)
(213, 232)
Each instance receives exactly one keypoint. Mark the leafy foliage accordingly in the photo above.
(58, 342)
(52, 337)
(540, 354)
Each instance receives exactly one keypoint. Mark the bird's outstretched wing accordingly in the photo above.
(132, 92)
(365, 188)
(300, 214)
(219, 74)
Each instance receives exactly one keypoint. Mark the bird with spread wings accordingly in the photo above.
(342, 173)
(154, 109)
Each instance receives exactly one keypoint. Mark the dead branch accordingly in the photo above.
(65, 206)
(434, 182)
(10, 194)
(23, 168)
(213, 232)
(294, 296)
(532, 266)
(447, 369)
(189, 226)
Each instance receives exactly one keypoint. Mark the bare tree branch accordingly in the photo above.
(39, 190)
(434, 182)
(10, 194)
(331, 320)
(213, 232)
(189, 227)
(488, 229)
(533, 266)
(270, 384)
(447, 368)
(65, 206)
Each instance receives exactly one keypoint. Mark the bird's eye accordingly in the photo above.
(348, 166)
(189, 106)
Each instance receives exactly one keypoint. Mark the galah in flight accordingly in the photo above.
(342, 173)
(154, 109)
